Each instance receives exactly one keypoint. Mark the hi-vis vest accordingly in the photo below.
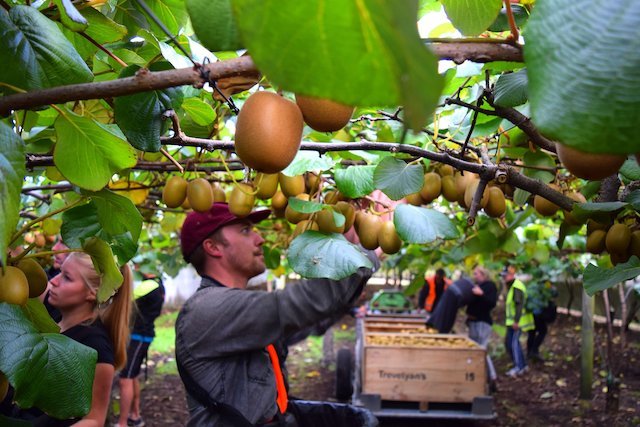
(431, 298)
(526, 322)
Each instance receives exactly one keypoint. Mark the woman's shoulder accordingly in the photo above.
(96, 336)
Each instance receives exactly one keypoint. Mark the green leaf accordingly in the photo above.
(37, 313)
(584, 211)
(117, 214)
(308, 161)
(366, 53)
(199, 111)
(271, 257)
(355, 181)
(511, 89)
(171, 13)
(598, 279)
(214, 24)
(634, 199)
(39, 54)
(12, 172)
(539, 159)
(101, 28)
(421, 225)
(471, 17)
(338, 218)
(304, 206)
(317, 255)
(397, 179)
(521, 196)
(583, 61)
(88, 153)
(630, 170)
(26, 355)
(70, 17)
(520, 13)
(140, 115)
(105, 265)
(482, 243)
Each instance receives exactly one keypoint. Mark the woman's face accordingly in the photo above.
(68, 289)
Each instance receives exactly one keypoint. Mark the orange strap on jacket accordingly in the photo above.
(282, 400)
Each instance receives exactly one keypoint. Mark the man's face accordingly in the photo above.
(510, 275)
(242, 248)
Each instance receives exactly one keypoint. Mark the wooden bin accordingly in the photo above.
(422, 374)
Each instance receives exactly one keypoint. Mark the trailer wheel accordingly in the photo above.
(344, 387)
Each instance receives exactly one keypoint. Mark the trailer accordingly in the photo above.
(402, 370)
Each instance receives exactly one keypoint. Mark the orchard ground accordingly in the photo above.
(546, 396)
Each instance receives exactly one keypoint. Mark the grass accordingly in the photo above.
(164, 342)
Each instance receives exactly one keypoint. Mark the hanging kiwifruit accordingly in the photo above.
(294, 216)
(36, 276)
(279, 201)
(326, 222)
(593, 225)
(174, 191)
(368, 231)
(388, 238)
(218, 193)
(312, 182)
(618, 239)
(591, 166)
(291, 186)
(200, 195)
(449, 190)
(414, 199)
(324, 115)
(470, 192)
(332, 197)
(268, 132)
(349, 213)
(302, 226)
(266, 185)
(14, 287)
(596, 241)
(445, 170)
(634, 244)
(569, 218)
(431, 187)
(241, 200)
(496, 203)
(543, 206)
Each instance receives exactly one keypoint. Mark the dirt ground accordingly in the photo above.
(546, 396)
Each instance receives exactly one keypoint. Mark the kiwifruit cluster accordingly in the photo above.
(197, 194)
(619, 239)
(269, 127)
(547, 208)
(27, 279)
(591, 166)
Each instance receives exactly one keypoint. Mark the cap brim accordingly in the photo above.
(258, 216)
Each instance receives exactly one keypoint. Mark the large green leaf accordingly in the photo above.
(511, 89)
(365, 53)
(12, 172)
(471, 17)
(538, 161)
(397, 179)
(630, 170)
(634, 199)
(105, 264)
(596, 211)
(199, 111)
(140, 115)
(39, 54)
(583, 61)
(70, 17)
(309, 161)
(101, 28)
(39, 317)
(214, 24)
(355, 181)
(39, 366)
(598, 279)
(117, 214)
(79, 223)
(87, 153)
(171, 13)
(421, 225)
(316, 255)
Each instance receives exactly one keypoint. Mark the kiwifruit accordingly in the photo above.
(241, 200)
(278, 201)
(218, 193)
(200, 195)
(445, 170)
(462, 183)
(388, 238)
(294, 216)
(618, 239)
(349, 213)
(266, 185)
(591, 166)
(14, 287)
(185, 205)
(619, 259)
(470, 192)
(36, 276)
(496, 203)
(174, 191)
(312, 182)
(326, 222)
(303, 226)
(593, 225)
(543, 206)
(332, 197)
(596, 241)
(291, 186)
(40, 240)
(358, 219)
(634, 245)
(368, 231)
(449, 190)
(4, 386)
(324, 115)
(268, 132)
(431, 187)
(569, 218)
(414, 199)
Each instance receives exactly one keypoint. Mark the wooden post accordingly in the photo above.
(586, 347)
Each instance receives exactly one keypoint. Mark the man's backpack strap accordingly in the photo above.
(227, 412)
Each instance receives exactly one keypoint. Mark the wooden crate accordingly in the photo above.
(437, 373)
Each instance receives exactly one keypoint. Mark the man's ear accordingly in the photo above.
(212, 247)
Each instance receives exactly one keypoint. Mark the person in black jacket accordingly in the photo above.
(149, 298)
(479, 310)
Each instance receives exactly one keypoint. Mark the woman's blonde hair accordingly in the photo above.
(484, 271)
(115, 316)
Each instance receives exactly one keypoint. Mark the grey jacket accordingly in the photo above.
(221, 335)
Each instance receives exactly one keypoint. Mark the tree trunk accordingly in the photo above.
(586, 347)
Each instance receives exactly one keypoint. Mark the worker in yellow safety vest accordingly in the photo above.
(518, 319)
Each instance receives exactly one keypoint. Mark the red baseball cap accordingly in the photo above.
(200, 225)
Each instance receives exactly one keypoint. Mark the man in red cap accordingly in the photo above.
(228, 338)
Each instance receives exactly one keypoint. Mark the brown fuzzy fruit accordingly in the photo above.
(312, 182)
(596, 241)
(368, 231)
(414, 199)
(324, 115)
(445, 170)
(291, 186)
(349, 213)
(591, 166)
(294, 216)
(14, 287)
(36, 276)
(569, 218)
(326, 222)
(241, 200)
(332, 197)
(268, 132)
(388, 238)
(496, 202)
(175, 191)
(303, 226)
(470, 192)
(543, 206)
(218, 193)
(278, 201)
(200, 195)
(618, 239)
(266, 185)
(634, 246)
(431, 187)
(449, 190)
